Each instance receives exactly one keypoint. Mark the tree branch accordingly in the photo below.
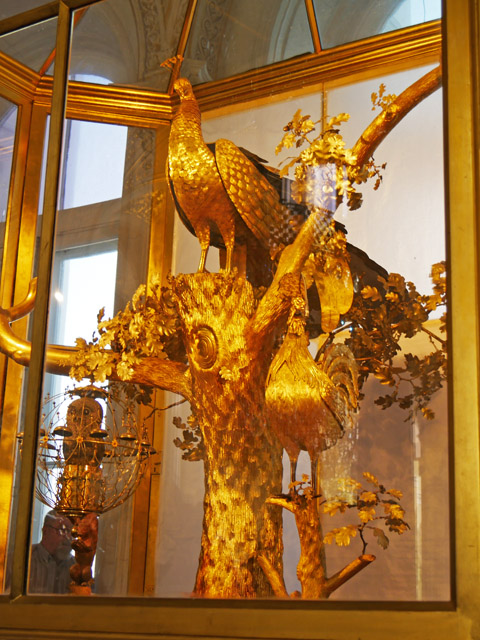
(163, 374)
(379, 128)
(287, 283)
(275, 579)
(282, 501)
(342, 576)
(275, 303)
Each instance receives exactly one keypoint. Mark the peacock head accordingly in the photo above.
(184, 89)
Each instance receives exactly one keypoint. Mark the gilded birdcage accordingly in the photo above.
(92, 451)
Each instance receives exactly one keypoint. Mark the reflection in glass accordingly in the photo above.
(31, 46)
(93, 173)
(9, 9)
(232, 37)
(51, 557)
(345, 21)
(101, 258)
(8, 119)
(127, 40)
(402, 231)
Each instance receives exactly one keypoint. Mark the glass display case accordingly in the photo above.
(228, 246)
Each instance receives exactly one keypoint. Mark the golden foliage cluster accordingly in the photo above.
(191, 444)
(377, 508)
(379, 317)
(147, 327)
(326, 171)
(381, 99)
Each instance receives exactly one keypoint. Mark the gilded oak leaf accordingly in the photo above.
(371, 293)
(366, 514)
(341, 536)
(371, 478)
(332, 507)
(382, 539)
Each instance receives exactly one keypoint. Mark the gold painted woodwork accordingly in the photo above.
(182, 41)
(129, 106)
(462, 91)
(39, 325)
(16, 273)
(38, 14)
(31, 617)
(122, 105)
(407, 48)
(18, 81)
(312, 22)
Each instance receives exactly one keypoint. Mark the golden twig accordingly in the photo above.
(275, 579)
(350, 570)
(282, 501)
(381, 126)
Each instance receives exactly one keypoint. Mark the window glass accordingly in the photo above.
(100, 260)
(9, 9)
(395, 444)
(93, 173)
(8, 119)
(226, 37)
(101, 253)
(306, 369)
(346, 21)
(126, 41)
(33, 45)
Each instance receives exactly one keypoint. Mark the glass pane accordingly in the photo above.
(32, 46)
(101, 253)
(216, 475)
(285, 377)
(230, 38)
(346, 21)
(8, 123)
(8, 120)
(9, 9)
(125, 41)
(102, 173)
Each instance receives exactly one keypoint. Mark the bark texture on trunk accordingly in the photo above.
(243, 465)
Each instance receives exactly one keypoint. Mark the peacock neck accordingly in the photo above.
(189, 111)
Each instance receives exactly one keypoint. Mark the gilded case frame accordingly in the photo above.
(28, 617)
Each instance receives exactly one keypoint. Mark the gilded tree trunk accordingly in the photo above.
(242, 461)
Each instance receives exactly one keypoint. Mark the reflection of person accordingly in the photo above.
(51, 558)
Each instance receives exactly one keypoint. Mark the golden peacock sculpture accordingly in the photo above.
(227, 196)
(221, 192)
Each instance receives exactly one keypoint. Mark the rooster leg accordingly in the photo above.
(293, 468)
(228, 264)
(203, 257)
(315, 468)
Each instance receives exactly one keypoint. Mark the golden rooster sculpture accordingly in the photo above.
(220, 189)
(309, 404)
